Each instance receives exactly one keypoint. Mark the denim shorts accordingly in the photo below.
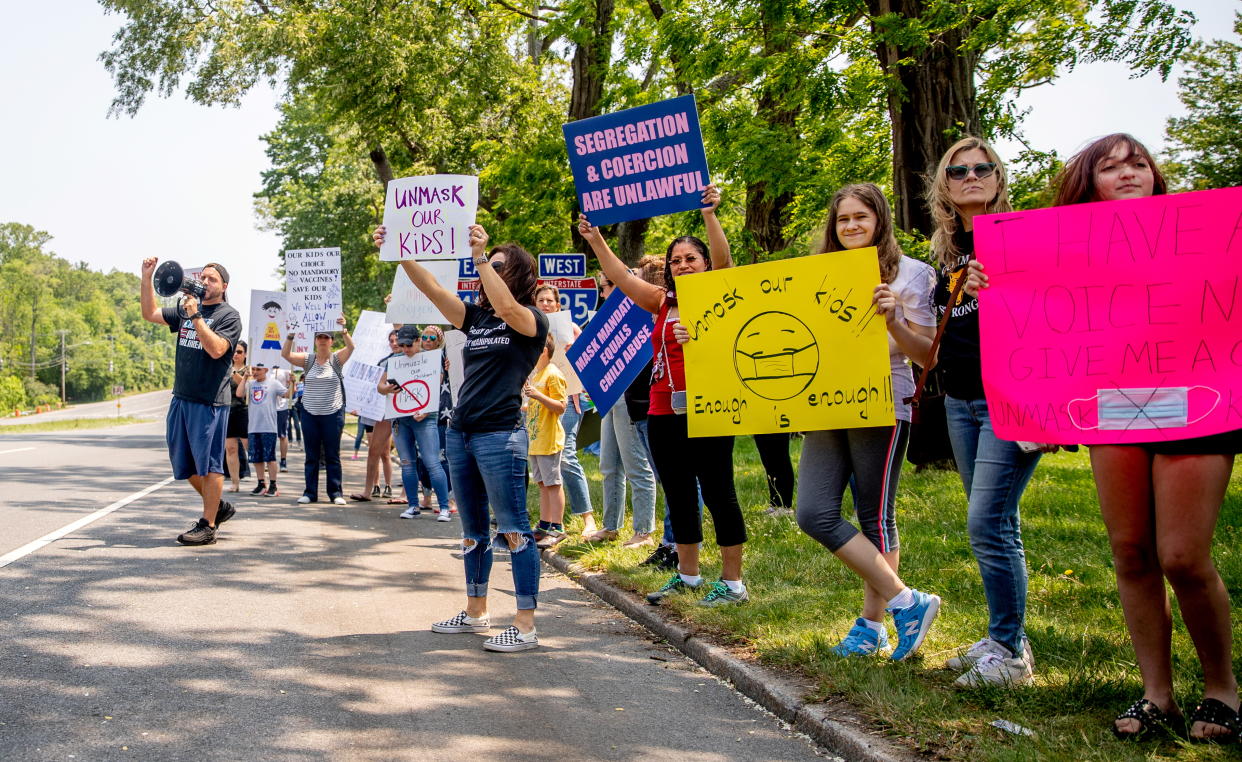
(263, 447)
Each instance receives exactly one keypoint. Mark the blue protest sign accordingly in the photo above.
(467, 281)
(612, 350)
(638, 163)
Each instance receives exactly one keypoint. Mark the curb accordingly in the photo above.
(774, 693)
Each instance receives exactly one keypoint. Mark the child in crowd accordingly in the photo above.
(548, 393)
(262, 394)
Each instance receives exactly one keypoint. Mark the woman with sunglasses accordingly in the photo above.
(1160, 503)
(685, 465)
(239, 420)
(323, 409)
(486, 440)
(970, 180)
(417, 437)
(872, 456)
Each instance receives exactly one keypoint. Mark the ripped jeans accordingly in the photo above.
(489, 468)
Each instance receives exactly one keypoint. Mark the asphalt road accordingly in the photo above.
(303, 635)
(147, 405)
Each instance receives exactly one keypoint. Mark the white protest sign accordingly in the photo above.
(419, 377)
(360, 391)
(454, 346)
(409, 305)
(267, 328)
(561, 329)
(313, 282)
(371, 338)
(429, 217)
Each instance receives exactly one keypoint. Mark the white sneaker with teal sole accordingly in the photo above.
(862, 641)
(913, 623)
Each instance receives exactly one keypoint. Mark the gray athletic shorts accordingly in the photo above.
(546, 469)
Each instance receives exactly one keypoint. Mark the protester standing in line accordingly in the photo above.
(487, 441)
(1160, 503)
(547, 394)
(197, 422)
(860, 217)
(574, 481)
(379, 444)
(432, 338)
(970, 180)
(685, 465)
(283, 404)
(261, 394)
(417, 437)
(323, 409)
(235, 444)
(773, 451)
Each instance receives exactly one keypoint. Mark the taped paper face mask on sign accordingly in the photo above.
(776, 355)
(1143, 409)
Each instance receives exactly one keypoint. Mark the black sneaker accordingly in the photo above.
(271, 492)
(375, 492)
(200, 534)
(259, 488)
(663, 557)
(387, 490)
(283, 467)
(225, 512)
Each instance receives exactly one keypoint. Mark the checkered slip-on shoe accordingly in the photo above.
(462, 623)
(510, 639)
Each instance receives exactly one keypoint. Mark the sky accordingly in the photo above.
(177, 180)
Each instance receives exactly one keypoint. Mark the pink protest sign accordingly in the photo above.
(1116, 322)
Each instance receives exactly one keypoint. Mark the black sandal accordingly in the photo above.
(1215, 712)
(1152, 721)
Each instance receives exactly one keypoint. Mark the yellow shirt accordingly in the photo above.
(547, 436)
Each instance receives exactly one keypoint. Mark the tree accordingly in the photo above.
(1207, 142)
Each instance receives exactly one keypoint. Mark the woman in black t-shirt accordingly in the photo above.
(486, 440)
(969, 181)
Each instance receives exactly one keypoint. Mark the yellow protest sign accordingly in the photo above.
(791, 345)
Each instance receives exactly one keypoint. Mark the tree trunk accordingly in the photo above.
(590, 68)
(931, 103)
(631, 238)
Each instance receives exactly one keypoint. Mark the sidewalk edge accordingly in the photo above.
(774, 693)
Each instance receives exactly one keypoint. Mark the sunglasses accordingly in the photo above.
(959, 171)
(428, 337)
(497, 264)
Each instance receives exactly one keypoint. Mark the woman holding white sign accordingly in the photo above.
(860, 217)
(685, 466)
(486, 441)
(1160, 503)
(323, 409)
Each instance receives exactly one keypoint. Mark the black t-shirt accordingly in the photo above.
(638, 395)
(200, 378)
(496, 361)
(959, 348)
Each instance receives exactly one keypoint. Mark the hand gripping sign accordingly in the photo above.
(419, 380)
(1116, 322)
(429, 217)
(792, 345)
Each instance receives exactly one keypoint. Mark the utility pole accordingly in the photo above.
(62, 333)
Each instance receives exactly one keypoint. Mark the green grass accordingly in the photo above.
(71, 424)
(803, 601)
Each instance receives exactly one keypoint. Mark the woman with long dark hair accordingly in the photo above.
(685, 466)
(486, 440)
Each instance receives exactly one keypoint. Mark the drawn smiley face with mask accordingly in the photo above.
(775, 355)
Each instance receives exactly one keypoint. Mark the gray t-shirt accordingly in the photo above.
(262, 396)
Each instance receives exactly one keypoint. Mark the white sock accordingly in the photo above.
(482, 618)
(902, 600)
(735, 585)
(876, 627)
(692, 581)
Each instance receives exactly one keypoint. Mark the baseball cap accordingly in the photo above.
(407, 335)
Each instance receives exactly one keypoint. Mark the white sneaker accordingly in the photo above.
(410, 512)
(510, 639)
(981, 648)
(338, 500)
(303, 500)
(444, 515)
(463, 623)
(1001, 671)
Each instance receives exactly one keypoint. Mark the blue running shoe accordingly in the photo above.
(862, 641)
(913, 623)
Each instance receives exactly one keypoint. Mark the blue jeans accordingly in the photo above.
(577, 494)
(489, 468)
(420, 441)
(323, 439)
(622, 457)
(994, 473)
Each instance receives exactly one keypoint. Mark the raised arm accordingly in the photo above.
(448, 302)
(517, 315)
(717, 244)
(151, 311)
(342, 354)
(295, 359)
(649, 297)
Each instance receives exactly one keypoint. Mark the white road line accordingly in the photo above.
(52, 537)
(19, 449)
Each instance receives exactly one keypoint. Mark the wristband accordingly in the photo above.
(482, 258)
(195, 316)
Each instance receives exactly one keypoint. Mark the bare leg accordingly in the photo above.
(688, 559)
(273, 470)
(865, 560)
(730, 562)
(874, 601)
(1189, 490)
(230, 455)
(1123, 483)
(551, 503)
(210, 487)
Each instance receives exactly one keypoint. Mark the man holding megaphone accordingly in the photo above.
(207, 332)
